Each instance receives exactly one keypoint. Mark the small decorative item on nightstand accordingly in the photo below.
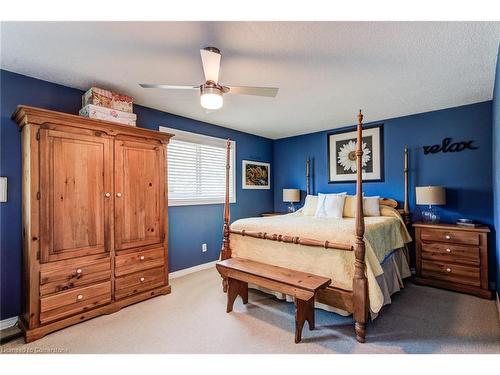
(291, 196)
(452, 257)
(430, 195)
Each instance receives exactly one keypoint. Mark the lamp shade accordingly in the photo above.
(291, 195)
(3, 189)
(431, 195)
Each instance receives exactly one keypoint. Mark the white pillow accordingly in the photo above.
(330, 205)
(371, 206)
(310, 205)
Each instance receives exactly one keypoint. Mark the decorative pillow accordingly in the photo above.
(310, 205)
(350, 206)
(371, 206)
(330, 205)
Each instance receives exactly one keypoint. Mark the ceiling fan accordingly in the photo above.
(211, 91)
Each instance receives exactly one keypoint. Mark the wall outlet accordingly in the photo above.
(204, 248)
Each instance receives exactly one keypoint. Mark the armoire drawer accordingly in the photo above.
(137, 261)
(67, 274)
(436, 251)
(72, 302)
(458, 237)
(451, 272)
(139, 281)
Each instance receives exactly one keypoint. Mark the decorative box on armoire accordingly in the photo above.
(94, 218)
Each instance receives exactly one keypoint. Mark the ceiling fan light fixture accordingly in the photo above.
(211, 97)
(211, 92)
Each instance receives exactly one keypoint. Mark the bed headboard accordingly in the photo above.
(404, 211)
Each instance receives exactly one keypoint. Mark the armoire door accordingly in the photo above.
(139, 194)
(75, 195)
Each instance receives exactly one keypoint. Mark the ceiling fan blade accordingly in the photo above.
(258, 91)
(211, 64)
(158, 86)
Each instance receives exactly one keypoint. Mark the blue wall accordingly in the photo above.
(189, 226)
(466, 175)
(496, 161)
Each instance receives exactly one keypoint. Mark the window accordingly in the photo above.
(197, 169)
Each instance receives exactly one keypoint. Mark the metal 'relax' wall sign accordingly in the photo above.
(447, 146)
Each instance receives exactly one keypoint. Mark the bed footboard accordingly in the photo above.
(356, 301)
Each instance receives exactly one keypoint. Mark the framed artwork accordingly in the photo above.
(342, 155)
(256, 175)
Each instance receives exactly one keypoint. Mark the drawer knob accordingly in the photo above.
(118, 195)
(79, 271)
(142, 279)
(79, 297)
(107, 195)
(141, 257)
(448, 250)
(448, 270)
(448, 237)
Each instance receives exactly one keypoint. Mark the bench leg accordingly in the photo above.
(304, 311)
(235, 288)
(224, 285)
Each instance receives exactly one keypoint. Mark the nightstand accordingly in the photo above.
(452, 257)
(266, 214)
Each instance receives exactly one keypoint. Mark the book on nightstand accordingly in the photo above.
(468, 225)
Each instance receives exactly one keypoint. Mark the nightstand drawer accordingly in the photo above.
(459, 237)
(451, 272)
(451, 253)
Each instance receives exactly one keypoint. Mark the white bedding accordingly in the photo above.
(383, 234)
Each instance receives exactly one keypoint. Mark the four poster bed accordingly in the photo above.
(365, 257)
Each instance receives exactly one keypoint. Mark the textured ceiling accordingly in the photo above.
(326, 71)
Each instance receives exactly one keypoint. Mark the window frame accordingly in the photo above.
(191, 137)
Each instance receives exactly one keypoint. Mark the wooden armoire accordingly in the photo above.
(94, 218)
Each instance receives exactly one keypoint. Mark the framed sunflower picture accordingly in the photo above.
(342, 155)
(256, 175)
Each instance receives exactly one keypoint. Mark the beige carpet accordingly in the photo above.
(193, 320)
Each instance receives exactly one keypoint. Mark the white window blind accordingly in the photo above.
(197, 169)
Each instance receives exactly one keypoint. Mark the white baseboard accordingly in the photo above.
(7, 323)
(187, 271)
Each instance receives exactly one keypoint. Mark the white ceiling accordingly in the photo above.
(326, 71)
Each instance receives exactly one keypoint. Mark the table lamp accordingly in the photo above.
(431, 196)
(291, 196)
(3, 189)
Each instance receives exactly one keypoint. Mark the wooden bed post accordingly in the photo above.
(308, 174)
(360, 282)
(225, 252)
(406, 209)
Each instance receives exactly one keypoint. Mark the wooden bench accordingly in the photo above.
(301, 285)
